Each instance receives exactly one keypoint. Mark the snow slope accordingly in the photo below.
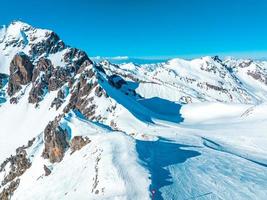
(18, 37)
(199, 158)
(198, 80)
(107, 168)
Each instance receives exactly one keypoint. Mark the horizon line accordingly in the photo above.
(256, 55)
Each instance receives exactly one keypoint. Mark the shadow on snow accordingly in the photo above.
(145, 109)
(157, 156)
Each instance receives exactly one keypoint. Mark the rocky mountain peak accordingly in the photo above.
(217, 59)
(20, 73)
(34, 42)
(19, 25)
(14, 30)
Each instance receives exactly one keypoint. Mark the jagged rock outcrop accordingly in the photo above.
(257, 75)
(13, 168)
(75, 58)
(185, 99)
(8, 191)
(37, 45)
(59, 100)
(44, 66)
(59, 76)
(47, 77)
(245, 63)
(99, 91)
(78, 142)
(21, 70)
(55, 141)
(80, 99)
(41, 75)
(49, 45)
(116, 81)
(18, 164)
(78, 102)
(47, 170)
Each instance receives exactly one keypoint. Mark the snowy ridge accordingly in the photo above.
(18, 37)
(105, 149)
(198, 80)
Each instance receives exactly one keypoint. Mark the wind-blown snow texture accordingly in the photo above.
(176, 130)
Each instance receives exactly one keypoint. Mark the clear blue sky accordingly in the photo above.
(149, 28)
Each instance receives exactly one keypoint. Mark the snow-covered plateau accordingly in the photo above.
(74, 128)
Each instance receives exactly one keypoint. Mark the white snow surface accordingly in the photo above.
(18, 37)
(217, 152)
(107, 168)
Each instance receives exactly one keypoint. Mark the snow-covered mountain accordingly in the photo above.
(199, 80)
(73, 128)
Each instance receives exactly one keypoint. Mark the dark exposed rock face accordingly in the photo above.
(18, 164)
(214, 87)
(59, 100)
(20, 73)
(185, 99)
(44, 65)
(37, 92)
(41, 75)
(8, 191)
(47, 170)
(51, 44)
(55, 139)
(59, 77)
(99, 91)
(80, 90)
(217, 59)
(80, 99)
(21, 68)
(257, 75)
(14, 100)
(75, 58)
(245, 63)
(44, 76)
(12, 168)
(47, 77)
(78, 142)
(116, 81)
